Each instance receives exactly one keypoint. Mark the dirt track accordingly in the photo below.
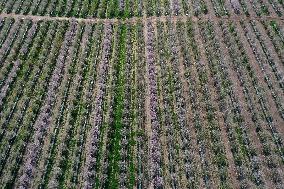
(134, 19)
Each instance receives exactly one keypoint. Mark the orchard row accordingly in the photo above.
(140, 8)
(155, 103)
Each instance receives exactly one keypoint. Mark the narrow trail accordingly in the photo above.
(144, 18)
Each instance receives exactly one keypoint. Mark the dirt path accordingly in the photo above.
(144, 18)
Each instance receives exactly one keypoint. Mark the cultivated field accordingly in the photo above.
(141, 94)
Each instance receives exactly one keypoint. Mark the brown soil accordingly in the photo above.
(211, 17)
